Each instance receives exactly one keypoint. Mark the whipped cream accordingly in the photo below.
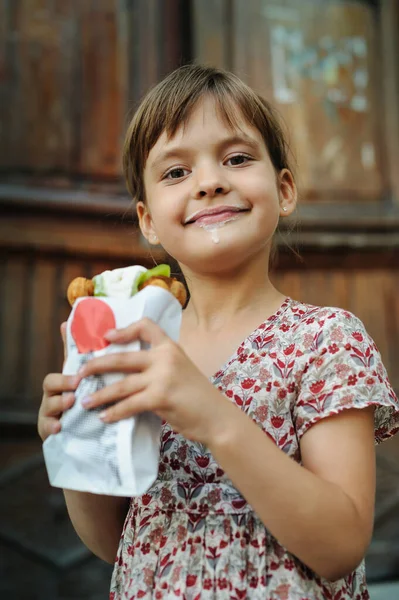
(117, 283)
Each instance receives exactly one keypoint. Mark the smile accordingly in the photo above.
(217, 214)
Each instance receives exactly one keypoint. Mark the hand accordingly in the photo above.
(53, 402)
(162, 380)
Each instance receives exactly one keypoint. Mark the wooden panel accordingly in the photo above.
(14, 305)
(370, 292)
(39, 342)
(158, 33)
(37, 84)
(104, 237)
(63, 85)
(288, 282)
(101, 84)
(388, 56)
(69, 73)
(211, 32)
(315, 62)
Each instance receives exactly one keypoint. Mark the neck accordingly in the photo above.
(217, 299)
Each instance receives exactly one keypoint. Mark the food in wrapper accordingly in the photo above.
(125, 283)
(119, 459)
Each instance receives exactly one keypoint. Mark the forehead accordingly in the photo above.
(225, 110)
(224, 119)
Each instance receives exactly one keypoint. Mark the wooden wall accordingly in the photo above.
(321, 62)
(71, 72)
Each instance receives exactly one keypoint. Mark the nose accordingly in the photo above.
(210, 182)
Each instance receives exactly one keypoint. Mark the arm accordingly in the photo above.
(321, 512)
(98, 521)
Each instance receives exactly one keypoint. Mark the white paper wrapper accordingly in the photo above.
(116, 459)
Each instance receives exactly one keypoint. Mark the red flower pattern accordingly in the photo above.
(248, 383)
(192, 535)
(277, 422)
(202, 461)
(352, 380)
(316, 387)
(358, 336)
(289, 350)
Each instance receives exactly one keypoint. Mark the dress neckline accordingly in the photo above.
(271, 320)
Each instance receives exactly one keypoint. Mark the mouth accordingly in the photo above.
(215, 215)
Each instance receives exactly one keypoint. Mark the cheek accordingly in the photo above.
(263, 192)
(266, 202)
(167, 220)
(165, 212)
(161, 202)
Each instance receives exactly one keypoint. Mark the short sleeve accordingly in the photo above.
(343, 370)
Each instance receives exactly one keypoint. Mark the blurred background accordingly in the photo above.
(71, 71)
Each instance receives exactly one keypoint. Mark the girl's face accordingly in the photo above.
(213, 199)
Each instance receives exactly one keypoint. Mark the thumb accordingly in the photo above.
(63, 336)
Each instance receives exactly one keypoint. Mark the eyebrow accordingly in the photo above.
(179, 151)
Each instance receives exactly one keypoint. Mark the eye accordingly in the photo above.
(176, 173)
(238, 159)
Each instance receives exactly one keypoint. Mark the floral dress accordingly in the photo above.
(193, 536)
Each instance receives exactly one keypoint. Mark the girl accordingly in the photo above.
(267, 468)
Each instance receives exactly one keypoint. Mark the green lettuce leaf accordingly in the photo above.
(163, 270)
(99, 289)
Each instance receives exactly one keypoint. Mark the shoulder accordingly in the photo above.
(340, 368)
(331, 336)
(326, 321)
(305, 313)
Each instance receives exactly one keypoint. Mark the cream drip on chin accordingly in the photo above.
(213, 228)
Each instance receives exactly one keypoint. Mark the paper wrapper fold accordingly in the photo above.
(87, 455)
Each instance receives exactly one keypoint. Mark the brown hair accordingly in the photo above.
(169, 105)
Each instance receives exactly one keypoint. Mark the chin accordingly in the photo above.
(216, 260)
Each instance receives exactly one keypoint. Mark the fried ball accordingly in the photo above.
(168, 283)
(78, 288)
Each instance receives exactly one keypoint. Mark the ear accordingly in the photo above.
(287, 192)
(146, 224)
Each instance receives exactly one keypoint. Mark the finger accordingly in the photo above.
(56, 383)
(48, 426)
(123, 362)
(117, 391)
(54, 406)
(129, 407)
(144, 330)
(50, 413)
